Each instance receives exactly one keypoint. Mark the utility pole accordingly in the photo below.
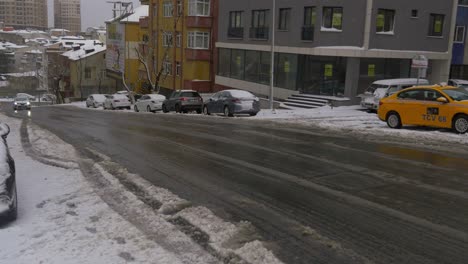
(272, 72)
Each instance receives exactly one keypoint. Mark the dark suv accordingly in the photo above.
(8, 197)
(183, 101)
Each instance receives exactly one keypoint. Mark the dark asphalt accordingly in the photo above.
(314, 197)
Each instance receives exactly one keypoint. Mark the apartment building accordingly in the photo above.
(67, 15)
(459, 69)
(24, 14)
(331, 47)
(182, 36)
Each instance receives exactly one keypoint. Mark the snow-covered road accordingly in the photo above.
(69, 217)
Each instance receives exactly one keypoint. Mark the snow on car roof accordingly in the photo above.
(459, 81)
(157, 96)
(401, 81)
(120, 96)
(240, 93)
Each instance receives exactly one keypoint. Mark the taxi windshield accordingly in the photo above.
(457, 94)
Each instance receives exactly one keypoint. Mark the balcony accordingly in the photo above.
(307, 33)
(259, 33)
(199, 21)
(198, 54)
(236, 33)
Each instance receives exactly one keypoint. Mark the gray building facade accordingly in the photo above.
(331, 47)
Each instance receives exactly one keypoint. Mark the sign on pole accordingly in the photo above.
(421, 63)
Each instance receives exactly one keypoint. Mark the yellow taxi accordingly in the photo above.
(432, 106)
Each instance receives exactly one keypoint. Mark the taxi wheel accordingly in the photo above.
(460, 124)
(393, 120)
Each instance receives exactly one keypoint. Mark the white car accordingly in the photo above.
(458, 83)
(149, 103)
(117, 101)
(95, 100)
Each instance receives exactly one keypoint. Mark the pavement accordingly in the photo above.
(312, 195)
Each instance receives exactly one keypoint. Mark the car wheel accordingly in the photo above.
(253, 114)
(87, 105)
(394, 120)
(148, 108)
(177, 108)
(205, 110)
(136, 109)
(227, 112)
(460, 124)
(164, 109)
(13, 213)
(129, 108)
(112, 107)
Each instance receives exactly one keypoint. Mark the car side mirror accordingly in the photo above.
(4, 130)
(442, 100)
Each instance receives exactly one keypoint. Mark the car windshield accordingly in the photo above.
(21, 99)
(373, 87)
(120, 96)
(457, 94)
(189, 94)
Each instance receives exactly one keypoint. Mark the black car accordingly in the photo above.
(8, 196)
(232, 102)
(183, 101)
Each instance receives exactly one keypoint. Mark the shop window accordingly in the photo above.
(237, 64)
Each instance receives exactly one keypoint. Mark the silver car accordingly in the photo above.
(95, 100)
(21, 103)
(149, 103)
(231, 102)
(117, 101)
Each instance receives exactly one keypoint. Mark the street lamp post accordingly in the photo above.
(272, 70)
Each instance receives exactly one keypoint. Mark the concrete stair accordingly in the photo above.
(305, 101)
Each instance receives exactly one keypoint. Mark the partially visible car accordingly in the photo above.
(149, 103)
(458, 83)
(8, 196)
(30, 97)
(231, 102)
(431, 106)
(95, 100)
(183, 101)
(117, 101)
(21, 103)
(383, 88)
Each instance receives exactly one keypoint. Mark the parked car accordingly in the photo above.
(231, 102)
(432, 106)
(458, 83)
(383, 88)
(183, 101)
(30, 97)
(21, 103)
(117, 101)
(95, 100)
(8, 196)
(150, 103)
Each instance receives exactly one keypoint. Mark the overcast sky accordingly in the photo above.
(93, 12)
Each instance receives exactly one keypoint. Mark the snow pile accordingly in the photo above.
(4, 168)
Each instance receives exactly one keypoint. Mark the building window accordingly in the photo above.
(235, 29)
(87, 73)
(155, 10)
(332, 19)
(309, 23)
(414, 13)
(167, 39)
(459, 34)
(259, 29)
(167, 68)
(178, 39)
(198, 40)
(436, 25)
(463, 2)
(284, 17)
(179, 8)
(199, 7)
(178, 69)
(385, 21)
(167, 9)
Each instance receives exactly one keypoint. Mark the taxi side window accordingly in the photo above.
(412, 95)
(432, 95)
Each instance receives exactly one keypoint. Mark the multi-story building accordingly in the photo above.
(331, 47)
(22, 14)
(182, 36)
(459, 69)
(67, 15)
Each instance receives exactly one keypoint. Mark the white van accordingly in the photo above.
(383, 88)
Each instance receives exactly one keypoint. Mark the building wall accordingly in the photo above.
(67, 15)
(132, 64)
(24, 14)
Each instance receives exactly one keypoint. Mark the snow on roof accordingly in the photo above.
(401, 81)
(11, 45)
(22, 31)
(141, 11)
(59, 30)
(21, 74)
(34, 52)
(84, 52)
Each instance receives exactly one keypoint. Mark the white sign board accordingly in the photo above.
(420, 62)
(115, 52)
